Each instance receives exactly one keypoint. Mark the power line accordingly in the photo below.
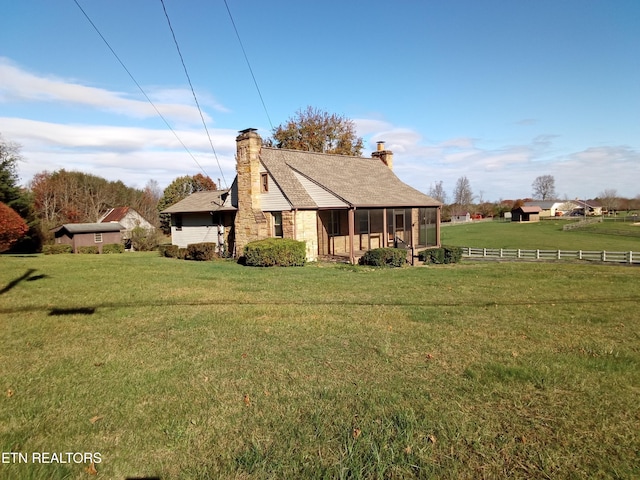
(204, 124)
(255, 82)
(139, 87)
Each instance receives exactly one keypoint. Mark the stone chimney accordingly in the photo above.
(386, 156)
(250, 222)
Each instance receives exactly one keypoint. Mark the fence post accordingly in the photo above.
(518, 253)
(579, 254)
(484, 252)
(500, 253)
(630, 257)
(537, 254)
(559, 254)
(604, 256)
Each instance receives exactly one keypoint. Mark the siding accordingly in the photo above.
(188, 235)
(273, 200)
(322, 197)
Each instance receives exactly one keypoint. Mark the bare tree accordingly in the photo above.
(544, 187)
(436, 191)
(609, 199)
(462, 194)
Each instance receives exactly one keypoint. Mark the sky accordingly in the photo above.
(499, 91)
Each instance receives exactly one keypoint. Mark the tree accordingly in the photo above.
(544, 187)
(609, 199)
(12, 227)
(315, 130)
(436, 191)
(180, 189)
(462, 194)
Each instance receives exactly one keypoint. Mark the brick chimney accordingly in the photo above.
(250, 222)
(386, 156)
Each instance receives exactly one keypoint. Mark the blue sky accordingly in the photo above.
(499, 91)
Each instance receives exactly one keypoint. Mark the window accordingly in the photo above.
(97, 237)
(178, 221)
(277, 224)
(333, 229)
(363, 221)
(427, 218)
(264, 182)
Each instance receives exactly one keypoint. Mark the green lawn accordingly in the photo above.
(191, 370)
(544, 235)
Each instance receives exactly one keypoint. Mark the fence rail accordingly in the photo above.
(522, 254)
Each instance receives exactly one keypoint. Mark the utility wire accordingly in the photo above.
(204, 124)
(255, 82)
(139, 87)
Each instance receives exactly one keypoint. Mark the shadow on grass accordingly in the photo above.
(90, 310)
(24, 277)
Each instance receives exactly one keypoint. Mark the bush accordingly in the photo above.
(56, 249)
(170, 251)
(282, 252)
(183, 254)
(441, 255)
(432, 255)
(113, 248)
(201, 251)
(144, 240)
(384, 257)
(89, 249)
(452, 254)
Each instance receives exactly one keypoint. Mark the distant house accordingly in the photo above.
(460, 217)
(338, 204)
(129, 219)
(88, 234)
(592, 207)
(552, 208)
(526, 214)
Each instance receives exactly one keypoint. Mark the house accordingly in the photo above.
(88, 234)
(129, 219)
(460, 217)
(552, 208)
(202, 217)
(526, 214)
(592, 208)
(339, 205)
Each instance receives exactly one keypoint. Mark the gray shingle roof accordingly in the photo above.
(209, 201)
(360, 182)
(91, 227)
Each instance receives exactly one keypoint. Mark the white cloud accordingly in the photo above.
(19, 86)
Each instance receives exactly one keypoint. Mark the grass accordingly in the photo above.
(544, 235)
(193, 370)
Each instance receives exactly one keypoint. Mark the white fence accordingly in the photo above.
(512, 253)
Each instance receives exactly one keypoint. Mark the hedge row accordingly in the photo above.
(282, 252)
(195, 251)
(56, 249)
(384, 257)
(444, 254)
(113, 248)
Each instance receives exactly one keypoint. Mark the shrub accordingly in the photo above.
(452, 254)
(12, 226)
(183, 254)
(144, 240)
(88, 249)
(282, 252)
(56, 249)
(432, 255)
(113, 248)
(441, 255)
(201, 251)
(170, 251)
(384, 257)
